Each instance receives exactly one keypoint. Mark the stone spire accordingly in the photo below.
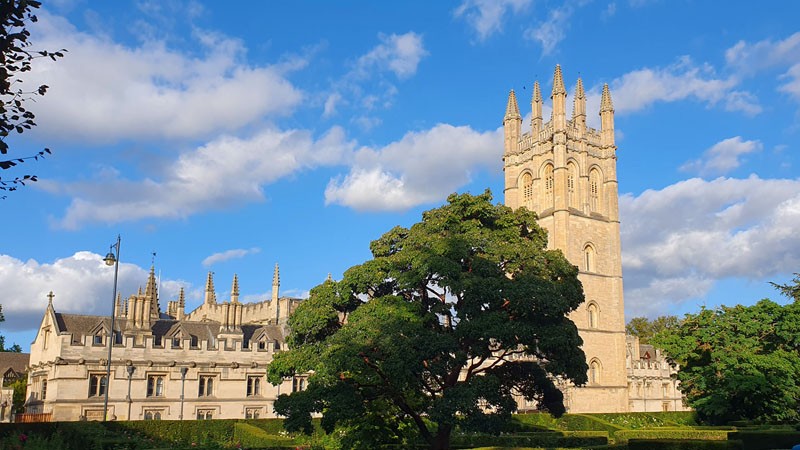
(606, 118)
(211, 297)
(235, 289)
(558, 83)
(512, 122)
(151, 293)
(579, 107)
(559, 97)
(512, 109)
(276, 283)
(119, 308)
(536, 109)
(181, 308)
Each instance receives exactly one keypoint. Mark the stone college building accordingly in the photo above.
(211, 362)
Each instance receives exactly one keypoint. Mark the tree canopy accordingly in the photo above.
(449, 320)
(740, 362)
(16, 59)
(14, 348)
(645, 329)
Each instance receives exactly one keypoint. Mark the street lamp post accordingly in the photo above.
(183, 385)
(111, 260)
(130, 375)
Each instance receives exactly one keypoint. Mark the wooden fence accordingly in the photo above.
(30, 418)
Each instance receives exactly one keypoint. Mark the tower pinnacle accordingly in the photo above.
(558, 83)
(276, 282)
(211, 297)
(235, 289)
(536, 109)
(512, 109)
(605, 101)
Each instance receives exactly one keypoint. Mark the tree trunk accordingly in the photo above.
(442, 439)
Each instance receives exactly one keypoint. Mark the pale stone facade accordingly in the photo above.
(652, 386)
(566, 172)
(214, 357)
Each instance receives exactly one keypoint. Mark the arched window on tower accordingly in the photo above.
(527, 190)
(548, 186)
(594, 190)
(594, 371)
(594, 315)
(589, 258)
(572, 175)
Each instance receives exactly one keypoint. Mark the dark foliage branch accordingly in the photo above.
(15, 59)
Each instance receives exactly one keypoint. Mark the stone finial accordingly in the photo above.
(235, 289)
(558, 82)
(537, 92)
(605, 100)
(181, 298)
(512, 109)
(329, 278)
(211, 297)
(50, 298)
(151, 292)
(579, 105)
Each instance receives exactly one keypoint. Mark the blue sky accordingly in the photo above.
(227, 139)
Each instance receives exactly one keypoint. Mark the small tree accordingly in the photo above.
(739, 363)
(645, 329)
(450, 320)
(14, 348)
(16, 59)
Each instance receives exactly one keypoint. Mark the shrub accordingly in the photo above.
(767, 439)
(647, 420)
(684, 434)
(544, 439)
(683, 444)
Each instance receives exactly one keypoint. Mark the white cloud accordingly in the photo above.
(223, 173)
(552, 31)
(678, 240)
(792, 87)
(82, 284)
(422, 167)
(683, 80)
(723, 156)
(151, 91)
(486, 16)
(397, 53)
(368, 84)
(227, 255)
(750, 58)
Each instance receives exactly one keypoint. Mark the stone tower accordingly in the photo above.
(566, 173)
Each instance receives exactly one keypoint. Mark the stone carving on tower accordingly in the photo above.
(565, 171)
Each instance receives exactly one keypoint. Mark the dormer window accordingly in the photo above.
(194, 341)
(176, 342)
(97, 339)
(262, 345)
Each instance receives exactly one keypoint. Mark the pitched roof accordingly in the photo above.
(16, 361)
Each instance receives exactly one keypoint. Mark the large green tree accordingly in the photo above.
(449, 320)
(740, 362)
(645, 329)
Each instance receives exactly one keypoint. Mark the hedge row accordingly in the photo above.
(683, 444)
(533, 440)
(636, 420)
(767, 439)
(685, 434)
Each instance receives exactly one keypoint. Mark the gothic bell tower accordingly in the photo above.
(566, 172)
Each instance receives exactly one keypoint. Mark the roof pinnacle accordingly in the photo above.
(558, 82)
(605, 100)
(512, 109)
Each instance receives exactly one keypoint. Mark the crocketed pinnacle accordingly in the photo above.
(512, 109)
(181, 299)
(579, 90)
(235, 289)
(558, 82)
(537, 92)
(605, 100)
(211, 297)
(151, 290)
(276, 277)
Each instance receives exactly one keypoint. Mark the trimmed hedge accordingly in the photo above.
(685, 434)
(543, 439)
(648, 420)
(683, 444)
(767, 439)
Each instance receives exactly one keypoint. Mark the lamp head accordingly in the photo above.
(110, 259)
